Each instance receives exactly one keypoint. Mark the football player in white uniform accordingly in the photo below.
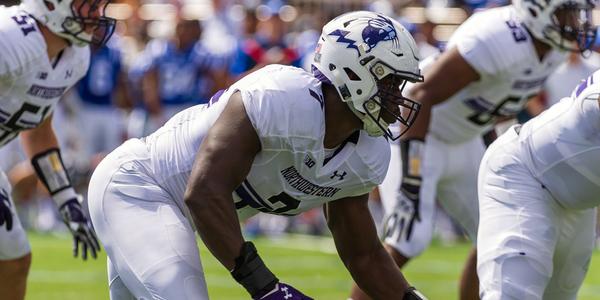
(281, 141)
(43, 53)
(494, 62)
(538, 191)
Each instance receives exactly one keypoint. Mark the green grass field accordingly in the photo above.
(310, 264)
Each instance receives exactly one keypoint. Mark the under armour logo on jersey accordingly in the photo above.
(69, 73)
(42, 75)
(340, 176)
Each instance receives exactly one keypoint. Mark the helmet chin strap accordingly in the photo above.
(369, 124)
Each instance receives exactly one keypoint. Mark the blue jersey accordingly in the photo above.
(182, 74)
(253, 52)
(101, 79)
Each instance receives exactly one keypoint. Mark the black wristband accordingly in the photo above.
(51, 170)
(411, 155)
(412, 294)
(252, 273)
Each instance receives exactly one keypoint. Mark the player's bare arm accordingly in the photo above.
(447, 75)
(41, 146)
(217, 171)
(361, 251)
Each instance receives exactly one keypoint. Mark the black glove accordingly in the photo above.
(81, 229)
(5, 211)
(252, 273)
(413, 294)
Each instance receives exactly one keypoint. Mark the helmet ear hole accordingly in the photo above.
(353, 76)
(49, 5)
(332, 67)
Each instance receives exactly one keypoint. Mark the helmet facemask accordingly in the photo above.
(388, 105)
(572, 28)
(88, 23)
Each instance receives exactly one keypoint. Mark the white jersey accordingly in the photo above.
(501, 50)
(562, 146)
(290, 174)
(30, 84)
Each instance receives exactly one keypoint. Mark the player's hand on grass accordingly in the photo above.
(283, 291)
(80, 227)
(5, 211)
(251, 272)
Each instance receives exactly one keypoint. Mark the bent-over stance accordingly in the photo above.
(280, 141)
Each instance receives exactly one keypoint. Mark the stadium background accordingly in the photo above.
(159, 63)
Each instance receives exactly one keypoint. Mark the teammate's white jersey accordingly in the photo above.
(562, 147)
(501, 50)
(30, 84)
(290, 174)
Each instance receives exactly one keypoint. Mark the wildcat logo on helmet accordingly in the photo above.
(376, 30)
(379, 29)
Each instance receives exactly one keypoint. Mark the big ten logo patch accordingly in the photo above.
(309, 162)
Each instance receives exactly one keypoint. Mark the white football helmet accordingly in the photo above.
(81, 22)
(563, 24)
(368, 58)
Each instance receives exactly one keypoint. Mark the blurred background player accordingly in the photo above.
(267, 45)
(179, 72)
(494, 62)
(44, 52)
(538, 190)
(282, 141)
(103, 96)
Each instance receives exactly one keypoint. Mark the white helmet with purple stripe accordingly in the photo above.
(369, 57)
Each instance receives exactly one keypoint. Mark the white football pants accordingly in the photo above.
(150, 244)
(449, 175)
(529, 247)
